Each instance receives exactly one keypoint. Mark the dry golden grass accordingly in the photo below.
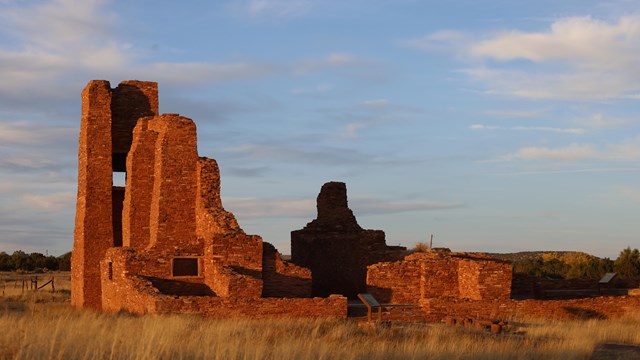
(43, 325)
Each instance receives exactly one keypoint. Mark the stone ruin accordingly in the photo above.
(336, 249)
(163, 243)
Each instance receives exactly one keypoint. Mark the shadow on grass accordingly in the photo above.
(584, 314)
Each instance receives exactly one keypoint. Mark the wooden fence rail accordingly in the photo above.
(29, 283)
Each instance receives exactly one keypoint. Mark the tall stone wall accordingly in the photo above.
(140, 178)
(105, 112)
(173, 214)
(336, 248)
(131, 100)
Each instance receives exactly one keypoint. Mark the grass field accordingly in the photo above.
(43, 325)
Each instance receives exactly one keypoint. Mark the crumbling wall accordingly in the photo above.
(140, 295)
(173, 214)
(282, 278)
(121, 290)
(164, 243)
(336, 249)
(226, 282)
(140, 164)
(211, 217)
(131, 100)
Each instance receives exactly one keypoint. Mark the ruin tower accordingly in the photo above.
(336, 248)
(106, 131)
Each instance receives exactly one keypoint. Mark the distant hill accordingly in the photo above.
(536, 255)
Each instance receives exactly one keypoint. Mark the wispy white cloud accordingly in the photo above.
(569, 153)
(573, 171)
(199, 73)
(26, 161)
(573, 131)
(579, 58)
(335, 60)
(50, 201)
(273, 8)
(306, 208)
(373, 112)
(351, 130)
(581, 41)
(27, 133)
(376, 103)
(310, 156)
(64, 42)
(441, 41)
(514, 113)
(265, 208)
(314, 90)
(599, 120)
(373, 206)
(626, 150)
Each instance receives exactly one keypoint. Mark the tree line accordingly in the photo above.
(20, 260)
(551, 265)
(580, 265)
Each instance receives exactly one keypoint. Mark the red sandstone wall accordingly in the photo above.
(439, 276)
(173, 215)
(598, 307)
(282, 278)
(333, 306)
(396, 282)
(228, 283)
(93, 233)
(484, 279)
(140, 180)
(211, 217)
(133, 293)
(131, 100)
(237, 250)
(122, 291)
(336, 249)
(108, 116)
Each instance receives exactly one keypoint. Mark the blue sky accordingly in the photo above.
(494, 125)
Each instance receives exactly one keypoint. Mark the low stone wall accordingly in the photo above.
(396, 282)
(481, 278)
(227, 282)
(282, 278)
(123, 291)
(529, 287)
(596, 307)
(440, 274)
(333, 306)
